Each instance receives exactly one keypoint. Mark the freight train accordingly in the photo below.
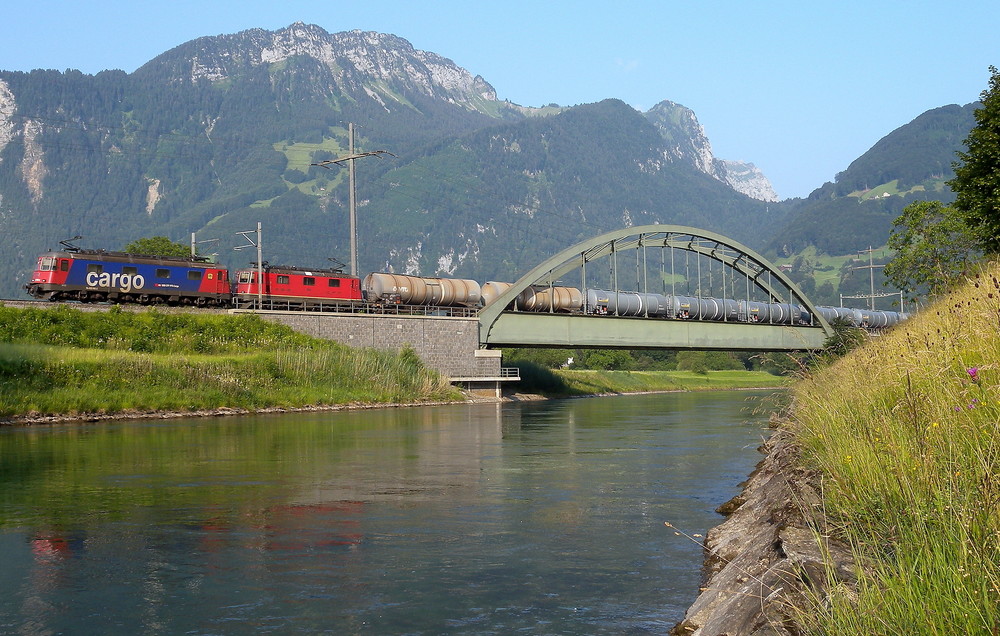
(101, 276)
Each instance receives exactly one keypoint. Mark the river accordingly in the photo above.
(534, 518)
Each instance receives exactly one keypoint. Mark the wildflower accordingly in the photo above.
(973, 373)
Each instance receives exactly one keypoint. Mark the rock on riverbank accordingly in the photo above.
(770, 556)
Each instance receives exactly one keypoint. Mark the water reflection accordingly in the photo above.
(468, 519)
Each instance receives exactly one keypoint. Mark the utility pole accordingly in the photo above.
(354, 201)
(351, 156)
(871, 267)
(260, 262)
(195, 244)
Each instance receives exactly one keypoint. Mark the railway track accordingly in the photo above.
(46, 304)
(326, 308)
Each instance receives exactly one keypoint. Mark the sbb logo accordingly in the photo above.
(124, 282)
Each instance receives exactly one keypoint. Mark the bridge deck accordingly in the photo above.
(568, 330)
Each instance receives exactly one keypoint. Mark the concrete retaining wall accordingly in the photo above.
(449, 345)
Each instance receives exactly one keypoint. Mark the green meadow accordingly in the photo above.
(63, 361)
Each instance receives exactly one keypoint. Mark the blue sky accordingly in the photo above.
(801, 88)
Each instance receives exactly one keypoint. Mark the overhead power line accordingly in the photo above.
(354, 205)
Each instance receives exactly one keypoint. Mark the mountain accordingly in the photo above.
(856, 211)
(525, 190)
(222, 132)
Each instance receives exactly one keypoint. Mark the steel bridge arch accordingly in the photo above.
(746, 261)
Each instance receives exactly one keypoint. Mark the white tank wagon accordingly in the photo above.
(774, 313)
(867, 318)
(628, 303)
(850, 316)
(416, 290)
(721, 309)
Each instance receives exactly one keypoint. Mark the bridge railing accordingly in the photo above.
(358, 307)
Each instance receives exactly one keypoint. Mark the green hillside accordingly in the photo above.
(856, 211)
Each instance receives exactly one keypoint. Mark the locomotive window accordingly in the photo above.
(194, 274)
(130, 271)
(308, 280)
(64, 265)
(47, 264)
(282, 280)
(244, 278)
(163, 273)
(333, 282)
(95, 268)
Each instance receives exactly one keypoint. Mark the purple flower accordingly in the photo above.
(973, 373)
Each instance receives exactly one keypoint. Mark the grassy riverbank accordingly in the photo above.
(64, 361)
(906, 433)
(591, 382)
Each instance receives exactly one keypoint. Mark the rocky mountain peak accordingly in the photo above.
(687, 142)
(381, 65)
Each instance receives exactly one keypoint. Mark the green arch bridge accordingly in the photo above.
(723, 269)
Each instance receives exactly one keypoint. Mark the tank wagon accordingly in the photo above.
(414, 290)
(537, 297)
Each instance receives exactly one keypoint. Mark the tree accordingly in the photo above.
(693, 361)
(934, 248)
(846, 337)
(977, 177)
(158, 246)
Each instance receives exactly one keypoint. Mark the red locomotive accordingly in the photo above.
(296, 287)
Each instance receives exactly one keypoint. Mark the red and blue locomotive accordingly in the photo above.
(119, 277)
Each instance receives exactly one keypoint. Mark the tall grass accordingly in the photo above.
(906, 433)
(121, 361)
(148, 331)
